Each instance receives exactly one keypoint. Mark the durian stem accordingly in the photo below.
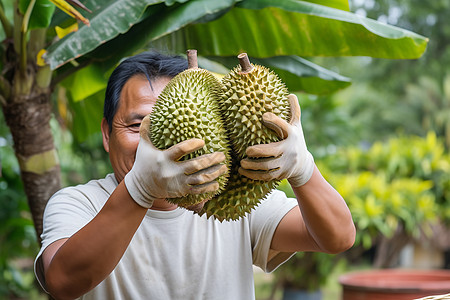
(192, 58)
(245, 63)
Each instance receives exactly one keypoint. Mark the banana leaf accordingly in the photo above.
(265, 28)
(297, 73)
(86, 115)
(117, 17)
(291, 28)
(41, 14)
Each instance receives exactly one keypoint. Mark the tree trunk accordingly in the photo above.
(388, 249)
(28, 117)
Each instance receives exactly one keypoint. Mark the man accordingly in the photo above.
(118, 237)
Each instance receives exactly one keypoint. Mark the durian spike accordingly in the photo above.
(192, 58)
(246, 66)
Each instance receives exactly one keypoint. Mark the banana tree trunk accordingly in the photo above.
(27, 113)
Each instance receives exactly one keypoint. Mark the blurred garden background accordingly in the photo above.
(373, 81)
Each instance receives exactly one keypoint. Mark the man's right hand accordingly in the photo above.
(158, 174)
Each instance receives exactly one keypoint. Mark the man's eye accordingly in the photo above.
(135, 125)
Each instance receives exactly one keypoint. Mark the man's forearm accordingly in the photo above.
(90, 255)
(325, 214)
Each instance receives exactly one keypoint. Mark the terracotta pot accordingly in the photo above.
(395, 284)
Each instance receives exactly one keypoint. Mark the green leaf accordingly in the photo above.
(212, 65)
(87, 115)
(339, 4)
(23, 5)
(171, 2)
(41, 15)
(297, 73)
(86, 82)
(302, 75)
(158, 23)
(264, 32)
(7, 10)
(265, 28)
(106, 23)
(156, 29)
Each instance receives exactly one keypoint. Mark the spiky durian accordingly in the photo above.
(188, 108)
(240, 196)
(249, 92)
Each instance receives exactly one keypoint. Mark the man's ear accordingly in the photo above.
(105, 134)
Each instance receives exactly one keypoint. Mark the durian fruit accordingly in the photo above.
(249, 91)
(188, 108)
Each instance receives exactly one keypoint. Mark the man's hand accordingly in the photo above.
(157, 174)
(288, 158)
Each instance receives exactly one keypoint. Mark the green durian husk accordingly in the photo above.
(188, 108)
(245, 98)
(240, 196)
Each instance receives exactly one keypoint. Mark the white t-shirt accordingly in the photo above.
(173, 254)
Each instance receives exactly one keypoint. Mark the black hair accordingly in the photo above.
(151, 64)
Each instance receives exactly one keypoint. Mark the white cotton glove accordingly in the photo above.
(157, 174)
(288, 158)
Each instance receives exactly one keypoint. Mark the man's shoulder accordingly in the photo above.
(96, 190)
(108, 184)
(274, 198)
(275, 202)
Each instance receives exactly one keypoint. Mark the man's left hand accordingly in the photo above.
(288, 158)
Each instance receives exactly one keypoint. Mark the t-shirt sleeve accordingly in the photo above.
(263, 222)
(66, 213)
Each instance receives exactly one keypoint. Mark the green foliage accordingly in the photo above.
(430, 20)
(326, 124)
(87, 39)
(80, 161)
(363, 36)
(308, 270)
(376, 113)
(297, 73)
(404, 180)
(261, 32)
(17, 235)
(414, 91)
(339, 4)
(83, 118)
(429, 98)
(378, 205)
(41, 15)
(420, 106)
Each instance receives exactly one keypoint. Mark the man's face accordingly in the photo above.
(136, 101)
